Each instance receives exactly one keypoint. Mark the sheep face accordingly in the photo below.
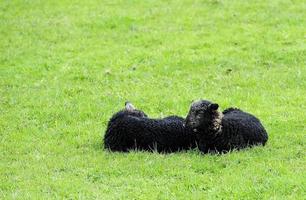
(203, 114)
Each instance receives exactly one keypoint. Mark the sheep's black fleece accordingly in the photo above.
(231, 129)
(129, 130)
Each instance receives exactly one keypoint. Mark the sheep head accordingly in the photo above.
(131, 110)
(204, 115)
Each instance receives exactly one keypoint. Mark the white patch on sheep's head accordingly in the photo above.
(129, 106)
(131, 110)
(204, 114)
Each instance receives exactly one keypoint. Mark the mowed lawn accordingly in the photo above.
(67, 66)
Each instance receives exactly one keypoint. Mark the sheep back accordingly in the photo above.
(125, 132)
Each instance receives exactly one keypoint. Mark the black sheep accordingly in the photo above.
(132, 129)
(221, 132)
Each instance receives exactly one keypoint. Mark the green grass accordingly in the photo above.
(66, 67)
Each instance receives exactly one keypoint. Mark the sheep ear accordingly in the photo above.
(213, 106)
(129, 106)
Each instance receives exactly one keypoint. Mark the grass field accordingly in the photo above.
(66, 67)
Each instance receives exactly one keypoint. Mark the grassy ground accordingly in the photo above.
(66, 67)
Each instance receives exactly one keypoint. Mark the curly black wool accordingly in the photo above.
(221, 132)
(131, 129)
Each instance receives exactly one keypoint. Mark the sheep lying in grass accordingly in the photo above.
(132, 129)
(221, 132)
